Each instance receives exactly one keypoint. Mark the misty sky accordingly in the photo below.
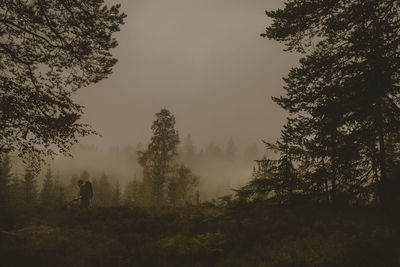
(202, 59)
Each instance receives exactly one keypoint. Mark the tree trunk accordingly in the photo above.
(382, 157)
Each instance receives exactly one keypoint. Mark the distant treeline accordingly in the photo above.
(163, 173)
(221, 168)
(165, 180)
(121, 162)
(26, 192)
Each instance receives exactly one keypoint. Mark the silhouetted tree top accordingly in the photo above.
(165, 138)
(5, 178)
(157, 160)
(343, 97)
(49, 49)
(302, 23)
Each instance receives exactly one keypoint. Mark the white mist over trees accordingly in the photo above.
(219, 171)
(195, 174)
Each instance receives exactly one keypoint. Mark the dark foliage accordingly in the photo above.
(235, 234)
(49, 49)
(342, 99)
(164, 179)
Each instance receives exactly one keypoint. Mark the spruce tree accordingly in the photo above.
(263, 183)
(172, 191)
(343, 99)
(116, 196)
(5, 177)
(231, 150)
(182, 186)
(132, 193)
(214, 151)
(60, 193)
(157, 160)
(30, 192)
(127, 198)
(47, 193)
(16, 191)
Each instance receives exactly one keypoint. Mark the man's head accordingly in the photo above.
(80, 183)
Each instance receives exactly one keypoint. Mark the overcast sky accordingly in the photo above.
(202, 59)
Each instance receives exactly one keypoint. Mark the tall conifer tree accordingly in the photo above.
(47, 192)
(30, 192)
(157, 160)
(5, 177)
(116, 197)
(343, 99)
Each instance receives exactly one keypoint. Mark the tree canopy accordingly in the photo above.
(343, 98)
(50, 49)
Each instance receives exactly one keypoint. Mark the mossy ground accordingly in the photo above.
(256, 235)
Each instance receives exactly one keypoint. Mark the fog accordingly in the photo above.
(205, 61)
(202, 59)
(219, 168)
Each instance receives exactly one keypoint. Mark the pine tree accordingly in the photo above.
(132, 193)
(16, 191)
(103, 191)
(172, 191)
(197, 197)
(95, 190)
(157, 160)
(47, 192)
(5, 177)
(231, 150)
(185, 184)
(127, 196)
(214, 150)
(116, 196)
(343, 99)
(286, 179)
(30, 192)
(182, 186)
(60, 193)
(263, 184)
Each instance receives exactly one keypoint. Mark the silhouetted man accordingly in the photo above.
(85, 194)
